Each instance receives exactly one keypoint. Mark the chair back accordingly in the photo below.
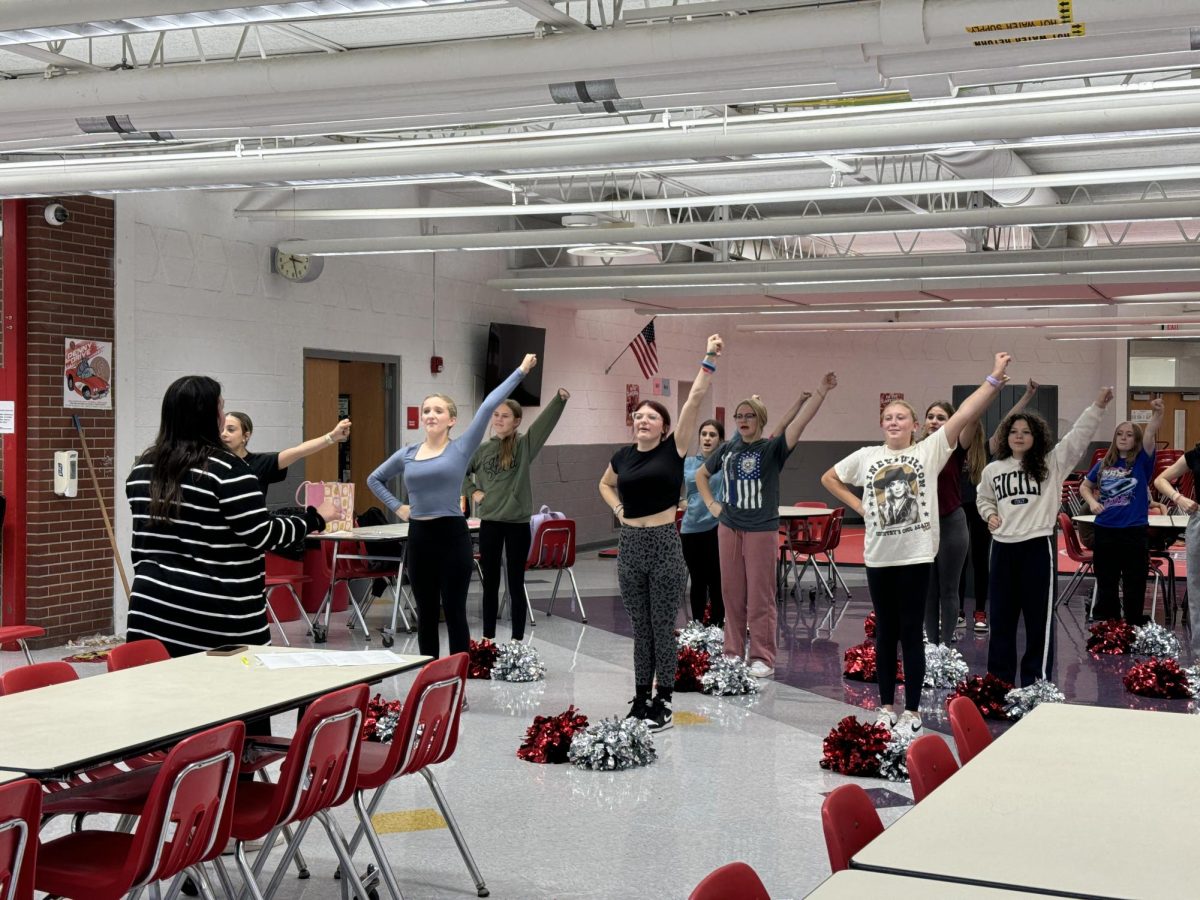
(553, 545)
(38, 675)
(189, 811)
(1073, 546)
(850, 822)
(20, 813)
(1098, 454)
(735, 879)
(322, 761)
(930, 762)
(427, 732)
(971, 735)
(282, 567)
(136, 653)
(1069, 498)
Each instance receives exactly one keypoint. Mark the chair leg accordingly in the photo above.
(366, 828)
(529, 608)
(553, 595)
(837, 575)
(251, 884)
(480, 887)
(338, 841)
(274, 618)
(25, 649)
(291, 852)
(291, 589)
(578, 598)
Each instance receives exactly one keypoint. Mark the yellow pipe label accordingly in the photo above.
(1066, 16)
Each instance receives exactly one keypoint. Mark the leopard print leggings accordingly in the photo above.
(651, 573)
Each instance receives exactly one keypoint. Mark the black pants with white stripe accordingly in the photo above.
(1021, 585)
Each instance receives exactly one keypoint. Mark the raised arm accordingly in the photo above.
(790, 415)
(539, 431)
(994, 442)
(691, 407)
(1068, 450)
(811, 403)
(973, 407)
(340, 433)
(1163, 484)
(1150, 435)
(470, 438)
(841, 490)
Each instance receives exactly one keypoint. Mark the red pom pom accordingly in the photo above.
(482, 656)
(986, 692)
(858, 663)
(378, 709)
(549, 737)
(869, 626)
(1158, 678)
(1112, 637)
(853, 747)
(690, 669)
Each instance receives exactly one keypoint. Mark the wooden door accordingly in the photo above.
(1174, 405)
(364, 385)
(320, 415)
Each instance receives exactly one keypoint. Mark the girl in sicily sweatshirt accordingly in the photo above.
(1019, 495)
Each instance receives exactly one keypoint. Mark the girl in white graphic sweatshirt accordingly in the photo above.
(1018, 497)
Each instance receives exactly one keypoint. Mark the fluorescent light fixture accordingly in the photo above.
(218, 14)
(610, 251)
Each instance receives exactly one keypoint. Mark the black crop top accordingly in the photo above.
(648, 482)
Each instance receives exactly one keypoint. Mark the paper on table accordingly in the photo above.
(306, 659)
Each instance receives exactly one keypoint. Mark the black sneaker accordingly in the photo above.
(660, 715)
(639, 709)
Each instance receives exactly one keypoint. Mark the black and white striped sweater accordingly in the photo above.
(198, 578)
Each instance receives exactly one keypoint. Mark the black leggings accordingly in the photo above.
(703, 557)
(511, 538)
(981, 549)
(1122, 557)
(898, 596)
(439, 560)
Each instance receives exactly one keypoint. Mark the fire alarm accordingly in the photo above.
(435, 365)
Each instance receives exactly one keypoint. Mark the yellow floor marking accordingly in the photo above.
(689, 718)
(408, 820)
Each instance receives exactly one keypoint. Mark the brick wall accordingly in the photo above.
(70, 289)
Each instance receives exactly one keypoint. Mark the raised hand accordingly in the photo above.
(528, 362)
(828, 383)
(715, 344)
(341, 431)
(1031, 387)
(1001, 365)
(564, 395)
(1157, 406)
(1104, 397)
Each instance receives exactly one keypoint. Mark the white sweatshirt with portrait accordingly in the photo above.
(1027, 508)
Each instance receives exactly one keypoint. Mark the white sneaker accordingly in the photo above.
(909, 722)
(886, 719)
(760, 669)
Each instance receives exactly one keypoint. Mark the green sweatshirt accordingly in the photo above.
(507, 496)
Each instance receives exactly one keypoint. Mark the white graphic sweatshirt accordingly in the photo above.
(1027, 508)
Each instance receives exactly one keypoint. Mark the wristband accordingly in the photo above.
(707, 366)
(711, 353)
(329, 438)
(617, 509)
(994, 381)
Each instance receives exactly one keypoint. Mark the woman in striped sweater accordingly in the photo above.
(200, 531)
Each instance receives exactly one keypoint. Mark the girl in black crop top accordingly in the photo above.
(642, 485)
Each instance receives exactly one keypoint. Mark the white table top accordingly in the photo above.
(1179, 520)
(799, 512)
(66, 727)
(1082, 800)
(397, 531)
(854, 884)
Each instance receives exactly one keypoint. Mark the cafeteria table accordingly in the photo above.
(1080, 801)
(855, 884)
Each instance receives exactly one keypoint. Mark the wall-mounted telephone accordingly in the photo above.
(66, 473)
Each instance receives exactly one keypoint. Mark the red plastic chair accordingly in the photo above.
(819, 535)
(20, 813)
(850, 822)
(930, 762)
(19, 634)
(136, 653)
(36, 675)
(184, 822)
(971, 735)
(354, 563)
(319, 772)
(426, 734)
(553, 547)
(735, 879)
(288, 574)
(1078, 554)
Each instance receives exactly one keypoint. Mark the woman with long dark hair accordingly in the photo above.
(698, 530)
(200, 529)
(498, 483)
(1019, 496)
(438, 556)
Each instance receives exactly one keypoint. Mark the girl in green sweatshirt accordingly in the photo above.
(498, 482)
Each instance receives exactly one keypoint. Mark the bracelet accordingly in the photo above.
(994, 381)
(329, 438)
(617, 508)
(707, 366)
(711, 353)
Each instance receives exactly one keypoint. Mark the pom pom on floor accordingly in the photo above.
(944, 666)
(548, 739)
(612, 745)
(518, 661)
(854, 747)
(1154, 640)
(481, 657)
(1112, 637)
(1163, 678)
(699, 636)
(1021, 701)
(987, 692)
(690, 668)
(728, 675)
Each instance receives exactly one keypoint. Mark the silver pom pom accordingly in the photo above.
(944, 666)
(1193, 677)
(612, 745)
(699, 636)
(893, 761)
(1154, 640)
(1020, 701)
(517, 661)
(729, 675)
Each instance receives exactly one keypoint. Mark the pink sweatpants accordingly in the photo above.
(748, 586)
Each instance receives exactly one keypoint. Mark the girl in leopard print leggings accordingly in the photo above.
(642, 486)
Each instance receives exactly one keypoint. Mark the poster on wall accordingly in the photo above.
(87, 374)
(632, 395)
(886, 397)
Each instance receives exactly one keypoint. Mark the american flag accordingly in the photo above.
(645, 351)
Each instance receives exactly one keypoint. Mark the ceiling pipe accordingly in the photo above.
(748, 229)
(964, 324)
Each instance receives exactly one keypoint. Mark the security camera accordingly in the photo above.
(57, 214)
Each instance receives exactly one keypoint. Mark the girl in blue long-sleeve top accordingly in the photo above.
(439, 546)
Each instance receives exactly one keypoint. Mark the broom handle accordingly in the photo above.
(112, 539)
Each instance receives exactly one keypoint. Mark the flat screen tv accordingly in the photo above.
(507, 346)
